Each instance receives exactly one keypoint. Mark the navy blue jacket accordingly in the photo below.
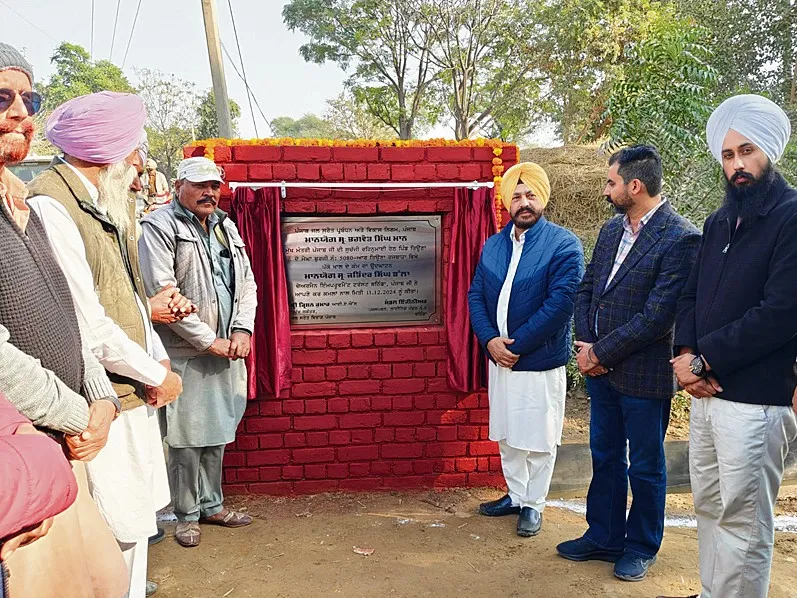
(739, 308)
(541, 303)
(635, 313)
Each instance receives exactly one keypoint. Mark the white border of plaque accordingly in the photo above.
(363, 271)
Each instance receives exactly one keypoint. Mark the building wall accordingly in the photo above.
(369, 408)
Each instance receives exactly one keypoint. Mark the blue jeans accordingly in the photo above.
(623, 428)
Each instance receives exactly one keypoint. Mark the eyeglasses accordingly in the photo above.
(31, 99)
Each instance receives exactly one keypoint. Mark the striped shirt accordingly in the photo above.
(629, 238)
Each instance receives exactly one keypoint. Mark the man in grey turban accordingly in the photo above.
(736, 336)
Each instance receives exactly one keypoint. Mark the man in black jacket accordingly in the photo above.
(736, 335)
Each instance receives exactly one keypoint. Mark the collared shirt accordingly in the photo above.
(13, 192)
(111, 345)
(629, 238)
(502, 310)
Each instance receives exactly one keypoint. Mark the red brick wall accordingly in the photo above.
(370, 408)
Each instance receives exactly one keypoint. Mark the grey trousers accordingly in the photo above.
(195, 481)
(736, 460)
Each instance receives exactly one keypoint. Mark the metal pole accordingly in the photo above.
(217, 68)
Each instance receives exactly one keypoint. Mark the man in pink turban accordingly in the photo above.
(82, 200)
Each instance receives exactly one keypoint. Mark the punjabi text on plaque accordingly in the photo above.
(369, 270)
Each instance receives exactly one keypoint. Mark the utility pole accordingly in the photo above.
(217, 68)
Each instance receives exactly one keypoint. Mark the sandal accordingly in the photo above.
(227, 518)
(187, 534)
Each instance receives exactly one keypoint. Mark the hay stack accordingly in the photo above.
(577, 175)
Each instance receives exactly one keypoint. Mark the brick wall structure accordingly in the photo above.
(369, 408)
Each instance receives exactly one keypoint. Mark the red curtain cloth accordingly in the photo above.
(474, 222)
(257, 213)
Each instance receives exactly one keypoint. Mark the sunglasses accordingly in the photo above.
(31, 99)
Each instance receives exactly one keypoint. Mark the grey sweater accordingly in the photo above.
(42, 397)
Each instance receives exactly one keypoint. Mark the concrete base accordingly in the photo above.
(573, 470)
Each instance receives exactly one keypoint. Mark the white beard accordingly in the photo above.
(113, 183)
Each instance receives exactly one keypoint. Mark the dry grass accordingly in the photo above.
(577, 175)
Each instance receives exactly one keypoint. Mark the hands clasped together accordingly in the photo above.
(700, 387)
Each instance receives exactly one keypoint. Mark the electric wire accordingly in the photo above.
(115, 22)
(28, 21)
(91, 45)
(130, 39)
(243, 70)
(248, 89)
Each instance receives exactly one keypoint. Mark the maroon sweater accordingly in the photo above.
(37, 481)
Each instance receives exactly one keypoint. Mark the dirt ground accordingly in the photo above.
(424, 544)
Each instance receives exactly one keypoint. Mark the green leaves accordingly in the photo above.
(664, 97)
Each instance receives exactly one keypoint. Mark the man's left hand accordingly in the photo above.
(86, 445)
(240, 345)
(683, 372)
(169, 306)
(588, 365)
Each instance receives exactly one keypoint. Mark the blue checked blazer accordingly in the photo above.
(635, 313)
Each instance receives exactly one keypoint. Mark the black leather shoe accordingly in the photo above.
(499, 508)
(157, 537)
(529, 523)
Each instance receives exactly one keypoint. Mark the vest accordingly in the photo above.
(35, 301)
(113, 260)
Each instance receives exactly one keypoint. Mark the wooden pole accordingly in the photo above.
(210, 15)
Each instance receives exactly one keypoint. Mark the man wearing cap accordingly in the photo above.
(193, 245)
(736, 335)
(521, 302)
(625, 310)
(83, 201)
(155, 185)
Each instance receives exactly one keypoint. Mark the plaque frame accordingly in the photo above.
(435, 221)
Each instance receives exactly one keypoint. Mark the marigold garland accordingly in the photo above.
(498, 146)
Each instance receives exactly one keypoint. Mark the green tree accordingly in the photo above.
(172, 105)
(584, 51)
(75, 75)
(352, 120)
(207, 125)
(664, 97)
(384, 48)
(487, 53)
(308, 126)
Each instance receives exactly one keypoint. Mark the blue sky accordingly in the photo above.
(170, 37)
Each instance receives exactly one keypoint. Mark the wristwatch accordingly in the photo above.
(697, 366)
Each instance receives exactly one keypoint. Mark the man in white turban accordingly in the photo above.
(82, 200)
(736, 336)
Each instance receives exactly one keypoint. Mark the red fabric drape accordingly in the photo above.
(474, 222)
(257, 213)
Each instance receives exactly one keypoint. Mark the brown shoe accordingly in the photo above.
(188, 534)
(227, 518)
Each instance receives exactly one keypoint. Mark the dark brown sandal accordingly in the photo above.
(188, 534)
(227, 518)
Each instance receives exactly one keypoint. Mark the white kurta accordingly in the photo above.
(527, 409)
(127, 479)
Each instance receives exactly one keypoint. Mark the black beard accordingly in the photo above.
(745, 202)
(525, 225)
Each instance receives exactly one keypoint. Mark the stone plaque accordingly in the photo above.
(362, 271)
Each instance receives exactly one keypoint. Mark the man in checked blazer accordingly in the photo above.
(625, 311)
